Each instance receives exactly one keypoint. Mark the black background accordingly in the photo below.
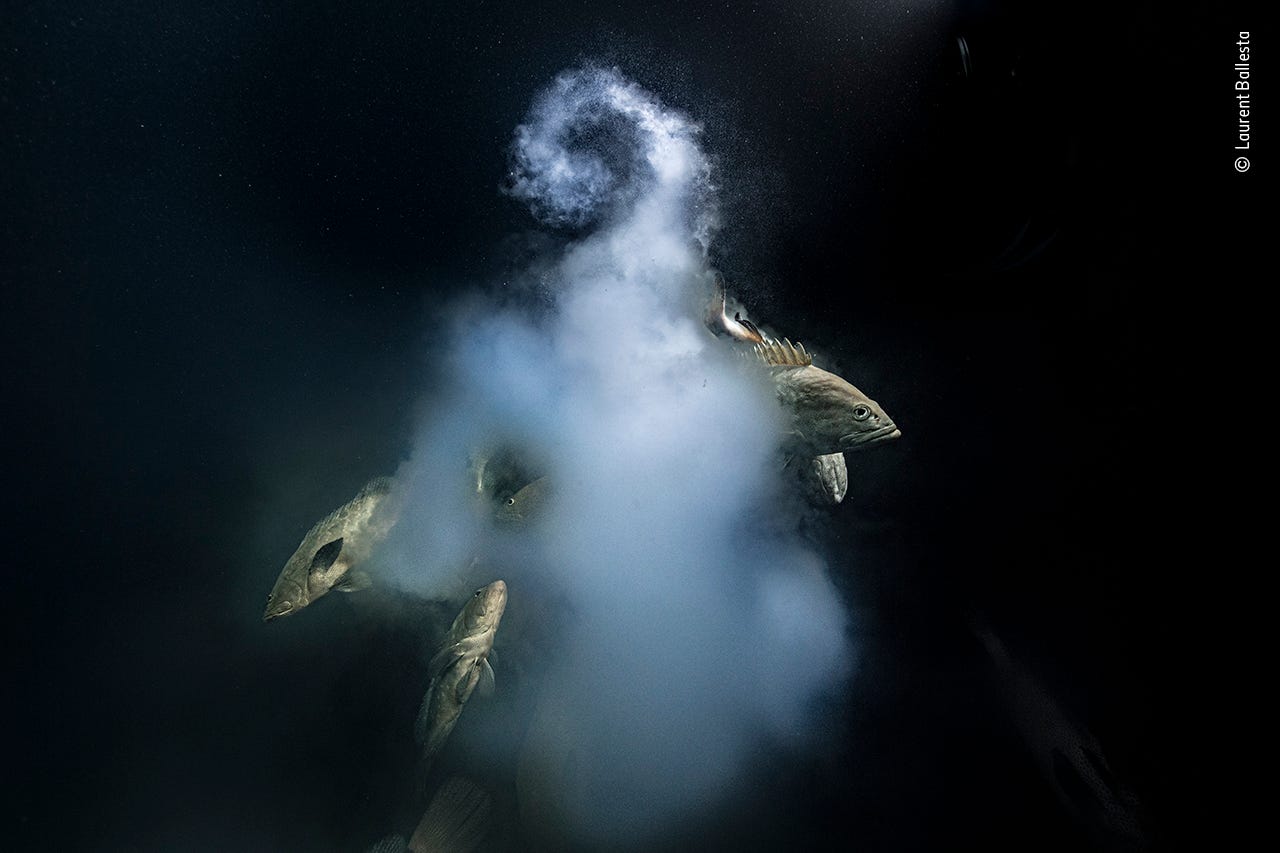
(227, 228)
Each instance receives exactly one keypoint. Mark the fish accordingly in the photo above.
(816, 395)
(1068, 756)
(722, 325)
(828, 477)
(828, 414)
(460, 667)
(525, 503)
(327, 557)
(456, 821)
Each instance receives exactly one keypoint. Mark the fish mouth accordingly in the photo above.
(286, 609)
(855, 441)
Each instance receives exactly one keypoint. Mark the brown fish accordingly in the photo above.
(460, 666)
(328, 554)
(828, 414)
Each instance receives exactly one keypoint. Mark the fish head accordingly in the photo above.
(517, 507)
(510, 509)
(309, 574)
(287, 596)
(861, 421)
(484, 609)
(498, 472)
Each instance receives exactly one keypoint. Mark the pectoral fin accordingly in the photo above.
(444, 659)
(354, 582)
(467, 684)
(486, 685)
(326, 556)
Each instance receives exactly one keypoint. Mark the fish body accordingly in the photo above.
(327, 557)
(829, 415)
(460, 666)
(524, 504)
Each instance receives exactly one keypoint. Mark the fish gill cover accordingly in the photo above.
(696, 621)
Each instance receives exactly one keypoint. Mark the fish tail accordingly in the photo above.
(390, 844)
(456, 821)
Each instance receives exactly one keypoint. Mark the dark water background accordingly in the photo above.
(228, 226)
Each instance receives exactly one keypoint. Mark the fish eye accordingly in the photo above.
(511, 501)
(861, 413)
(478, 591)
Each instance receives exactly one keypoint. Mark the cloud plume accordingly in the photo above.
(697, 621)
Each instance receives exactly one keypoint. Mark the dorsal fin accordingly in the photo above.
(783, 354)
(379, 486)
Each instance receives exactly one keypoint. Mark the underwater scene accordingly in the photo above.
(557, 427)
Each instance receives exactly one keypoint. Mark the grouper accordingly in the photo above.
(460, 666)
(332, 549)
(827, 414)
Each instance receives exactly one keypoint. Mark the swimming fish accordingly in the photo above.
(328, 554)
(828, 414)
(460, 667)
